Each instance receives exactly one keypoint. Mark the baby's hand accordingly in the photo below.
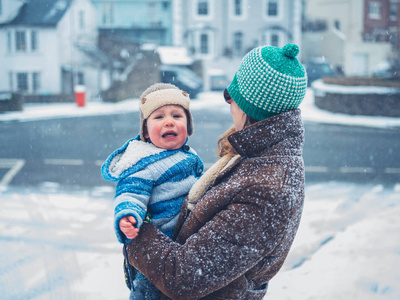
(127, 226)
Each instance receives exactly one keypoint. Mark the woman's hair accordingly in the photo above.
(224, 147)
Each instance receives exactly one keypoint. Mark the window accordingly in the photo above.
(238, 43)
(34, 41)
(9, 42)
(20, 41)
(80, 78)
(35, 82)
(165, 5)
(275, 40)
(202, 7)
(107, 16)
(204, 44)
(81, 20)
(393, 10)
(152, 15)
(374, 10)
(237, 7)
(11, 81)
(336, 23)
(22, 82)
(272, 8)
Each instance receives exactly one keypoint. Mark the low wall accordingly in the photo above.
(357, 100)
(59, 98)
(10, 102)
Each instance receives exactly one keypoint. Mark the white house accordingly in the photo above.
(212, 28)
(220, 32)
(49, 46)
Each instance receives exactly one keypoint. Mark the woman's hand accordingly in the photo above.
(127, 226)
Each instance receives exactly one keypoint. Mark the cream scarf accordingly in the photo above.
(201, 186)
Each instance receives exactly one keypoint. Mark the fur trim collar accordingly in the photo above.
(134, 152)
(208, 178)
(129, 155)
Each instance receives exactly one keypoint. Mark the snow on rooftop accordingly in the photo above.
(174, 56)
(342, 89)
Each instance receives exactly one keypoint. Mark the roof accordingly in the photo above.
(98, 56)
(40, 13)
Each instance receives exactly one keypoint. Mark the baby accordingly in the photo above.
(154, 171)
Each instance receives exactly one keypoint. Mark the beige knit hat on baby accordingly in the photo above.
(160, 94)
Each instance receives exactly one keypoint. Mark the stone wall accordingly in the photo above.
(144, 72)
(357, 100)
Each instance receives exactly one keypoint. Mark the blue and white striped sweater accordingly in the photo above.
(150, 178)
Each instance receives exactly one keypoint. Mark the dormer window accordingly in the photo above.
(20, 41)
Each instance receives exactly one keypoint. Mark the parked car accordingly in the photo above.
(183, 78)
(218, 79)
(318, 68)
(387, 70)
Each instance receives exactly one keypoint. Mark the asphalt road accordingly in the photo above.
(69, 152)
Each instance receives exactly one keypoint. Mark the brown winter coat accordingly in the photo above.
(240, 232)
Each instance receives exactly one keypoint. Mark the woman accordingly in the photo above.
(239, 220)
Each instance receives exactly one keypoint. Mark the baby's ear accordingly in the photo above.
(144, 129)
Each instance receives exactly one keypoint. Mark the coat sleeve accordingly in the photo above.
(131, 199)
(233, 241)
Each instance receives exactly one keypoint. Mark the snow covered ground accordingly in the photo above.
(57, 244)
(211, 100)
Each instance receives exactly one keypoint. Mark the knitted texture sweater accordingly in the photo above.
(150, 179)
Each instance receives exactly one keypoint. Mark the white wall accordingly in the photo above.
(72, 34)
(44, 60)
(3, 50)
(55, 50)
(346, 47)
(370, 53)
(255, 26)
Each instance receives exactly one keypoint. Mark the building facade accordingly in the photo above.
(214, 28)
(382, 22)
(136, 21)
(44, 47)
(357, 35)
(207, 28)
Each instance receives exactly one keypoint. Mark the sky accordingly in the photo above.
(58, 244)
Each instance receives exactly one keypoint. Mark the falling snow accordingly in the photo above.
(60, 245)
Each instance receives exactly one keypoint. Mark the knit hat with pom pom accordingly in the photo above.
(269, 81)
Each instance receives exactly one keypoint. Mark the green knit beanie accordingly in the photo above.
(269, 81)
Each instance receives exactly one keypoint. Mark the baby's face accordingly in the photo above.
(167, 127)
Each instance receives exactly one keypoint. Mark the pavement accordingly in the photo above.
(210, 100)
